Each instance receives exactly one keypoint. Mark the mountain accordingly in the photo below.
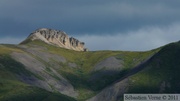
(42, 69)
(56, 37)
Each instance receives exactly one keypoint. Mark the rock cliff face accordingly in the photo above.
(58, 38)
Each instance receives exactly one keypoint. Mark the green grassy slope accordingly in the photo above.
(85, 61)
(161, 74)
(11, 89)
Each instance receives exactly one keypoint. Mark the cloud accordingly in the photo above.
(123, 22)
(79, 17)
(143, 39)
(146, 38)
(11, 40)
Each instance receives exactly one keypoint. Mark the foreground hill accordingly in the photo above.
(38, 71)
(159, 74)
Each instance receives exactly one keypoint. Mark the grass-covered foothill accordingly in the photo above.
(12, 89)
(6, 49)
(9, 64)
(161, 74)
(79, 76)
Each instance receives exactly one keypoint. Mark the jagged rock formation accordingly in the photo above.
(58, 38)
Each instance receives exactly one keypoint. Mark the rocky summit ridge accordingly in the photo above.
(57, 38)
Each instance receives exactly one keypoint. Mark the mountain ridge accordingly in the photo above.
(38, 71)
(56, 37)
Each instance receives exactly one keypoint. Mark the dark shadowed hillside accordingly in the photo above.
(159, 74)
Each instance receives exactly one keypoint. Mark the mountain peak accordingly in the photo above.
(57, 38)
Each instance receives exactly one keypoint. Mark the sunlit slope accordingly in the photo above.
(88, 72)
(11, 86)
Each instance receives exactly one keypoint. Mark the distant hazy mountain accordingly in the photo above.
(50, 66)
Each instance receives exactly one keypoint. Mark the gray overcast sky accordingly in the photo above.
(101, 24)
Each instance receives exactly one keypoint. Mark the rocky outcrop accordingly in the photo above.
(58, 38)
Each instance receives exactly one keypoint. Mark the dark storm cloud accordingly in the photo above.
(93, 16)
(86, 17)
